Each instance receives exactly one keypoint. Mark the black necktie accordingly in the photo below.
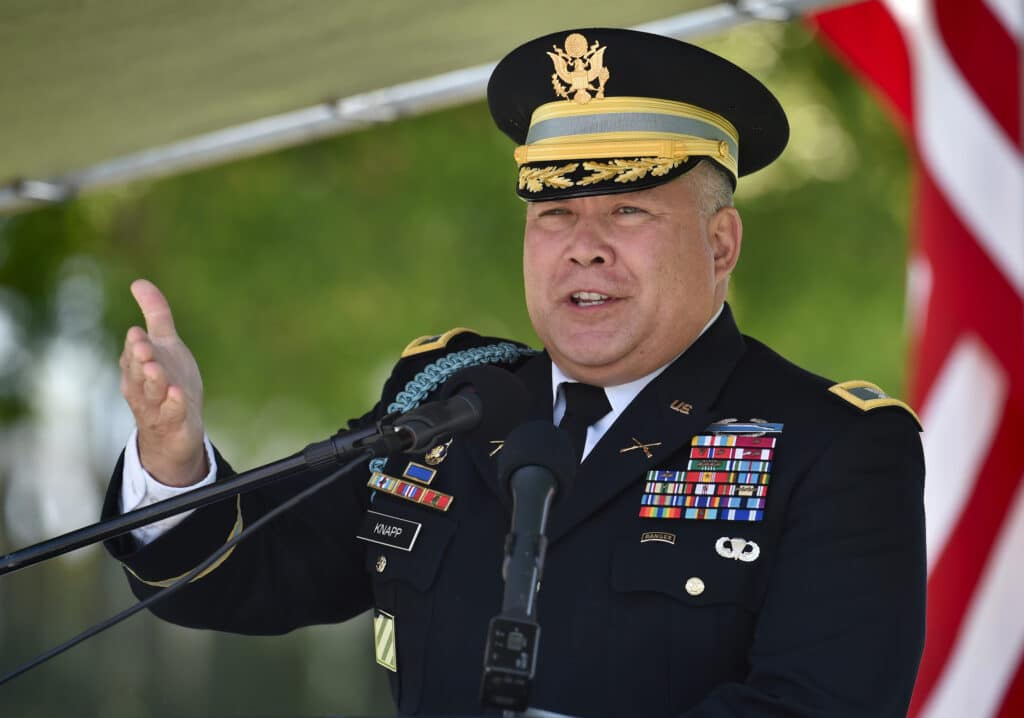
(584, 404)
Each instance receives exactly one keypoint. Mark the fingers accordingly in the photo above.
(134, 334)
(154, 382)
(144, 380)
(161, 383)
(174, 409)
(156, 310)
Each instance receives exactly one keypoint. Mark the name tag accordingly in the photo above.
(389, 530)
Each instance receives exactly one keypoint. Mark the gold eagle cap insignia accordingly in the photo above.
(580, 74)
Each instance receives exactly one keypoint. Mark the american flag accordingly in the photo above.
(951, 71)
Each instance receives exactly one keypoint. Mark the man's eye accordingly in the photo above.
(553, 212)
(629, 210)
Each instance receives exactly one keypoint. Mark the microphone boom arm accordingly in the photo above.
(379, 440)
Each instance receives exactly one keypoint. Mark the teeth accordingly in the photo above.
(589, 299)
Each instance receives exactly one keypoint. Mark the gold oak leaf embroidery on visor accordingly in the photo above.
(534, 179)
(628, 170)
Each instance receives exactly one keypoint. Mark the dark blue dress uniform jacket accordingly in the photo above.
(827, 621)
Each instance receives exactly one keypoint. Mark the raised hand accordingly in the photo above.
(161, 383)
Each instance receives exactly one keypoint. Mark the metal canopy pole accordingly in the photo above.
(352, 113)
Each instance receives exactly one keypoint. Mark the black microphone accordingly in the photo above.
(537, 464)
(468, 398)
(479, 402)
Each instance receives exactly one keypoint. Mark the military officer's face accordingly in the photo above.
(619, 284)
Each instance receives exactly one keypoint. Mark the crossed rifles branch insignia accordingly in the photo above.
(637, 444)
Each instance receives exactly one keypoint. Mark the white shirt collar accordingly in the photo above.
(621, 395)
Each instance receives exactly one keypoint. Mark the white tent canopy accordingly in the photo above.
(99, 94)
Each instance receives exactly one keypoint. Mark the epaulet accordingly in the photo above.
(432, 342)
(867, 396)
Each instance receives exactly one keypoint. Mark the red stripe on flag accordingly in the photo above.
(978, 42)
(968, 294)
(954, 577)
(866, 36)
(1013, 701)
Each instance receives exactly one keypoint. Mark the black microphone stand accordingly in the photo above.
(537, 462)
(378, 440)
(415, 430)
(513, 636)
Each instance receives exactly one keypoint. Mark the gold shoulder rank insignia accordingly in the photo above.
(867, 396)
(432, 342)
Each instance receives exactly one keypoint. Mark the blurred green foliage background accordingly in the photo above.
(298, 277)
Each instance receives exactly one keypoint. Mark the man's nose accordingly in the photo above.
(590, 245)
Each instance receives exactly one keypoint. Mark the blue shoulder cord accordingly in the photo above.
(437, 373)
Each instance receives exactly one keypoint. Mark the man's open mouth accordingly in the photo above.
(590, 299)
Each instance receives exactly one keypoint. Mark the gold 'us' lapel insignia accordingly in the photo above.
(681, 406)
(577, 68)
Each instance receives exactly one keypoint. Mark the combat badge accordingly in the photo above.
(726, 478)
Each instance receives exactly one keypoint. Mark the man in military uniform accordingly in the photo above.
(744, 538)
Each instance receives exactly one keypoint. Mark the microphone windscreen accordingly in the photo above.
(503, 397)
(539, 443)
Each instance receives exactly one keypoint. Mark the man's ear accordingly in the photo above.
(725, 233)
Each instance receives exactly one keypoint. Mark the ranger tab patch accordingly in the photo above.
(726, 478)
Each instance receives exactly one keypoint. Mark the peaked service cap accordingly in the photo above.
(602, 110)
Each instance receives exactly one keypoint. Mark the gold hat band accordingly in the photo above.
(648, 105)
(678, 148)
(628, 127)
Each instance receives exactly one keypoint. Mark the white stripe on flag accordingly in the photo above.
(960, 419)
(1010, 14)
(979, 170)
(984, 660)
(919, 291)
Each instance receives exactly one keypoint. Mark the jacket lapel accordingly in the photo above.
(535, 373)
(664, 417)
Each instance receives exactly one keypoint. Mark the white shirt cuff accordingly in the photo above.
(140, 489)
